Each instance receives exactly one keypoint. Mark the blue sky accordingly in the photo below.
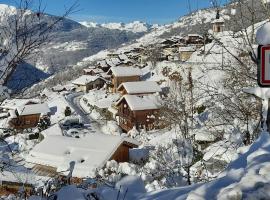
(104, 11)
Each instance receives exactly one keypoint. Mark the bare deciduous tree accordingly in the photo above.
(23, 32)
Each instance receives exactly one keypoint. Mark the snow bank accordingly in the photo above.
(138, 155)
(127, 188)
(248, 175)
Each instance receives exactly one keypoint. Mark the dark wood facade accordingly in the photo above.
(139, 118)
(92, 72)
(96, 84)
(116, 81)
(123, 92)
(25, 121)
(122, 152)
(195, 40)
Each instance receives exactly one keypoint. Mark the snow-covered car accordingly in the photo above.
(72, 122)
(73, 132)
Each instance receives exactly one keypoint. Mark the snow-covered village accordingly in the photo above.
(134, 100)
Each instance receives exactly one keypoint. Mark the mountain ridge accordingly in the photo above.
(135, 26)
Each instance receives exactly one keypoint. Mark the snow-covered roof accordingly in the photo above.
(95, 70)
(15, 103)
(58, 88)
(102, 63)
(100, 98)
(149, 102)
(113, 61)
(125, 71)
(34, 109)
(140, 87)
(188, 49)
(89, 153)
(86, 79)
(195, 35)
(123, 57)
(105, 75)
(204, 136)
(173, 40)
(220, 20)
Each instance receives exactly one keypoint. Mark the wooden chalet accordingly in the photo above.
(103, 65)
(28, 116)
(92, 71)
(139, 88)
(186, 52)
(88, 82)
(218, 25)
(123, 74)
(194, 39)
(169, 42)
(59, 88)
(123, 57)
(113, 62)
(112, 55)
(90, 153)
(137, 111)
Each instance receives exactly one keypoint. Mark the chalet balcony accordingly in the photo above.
(125, 124)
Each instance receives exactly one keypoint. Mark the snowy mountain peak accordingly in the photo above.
(136, 26)
(7, 10)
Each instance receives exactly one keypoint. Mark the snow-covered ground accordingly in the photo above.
(136, 26)
(154, 169)
(246, 177)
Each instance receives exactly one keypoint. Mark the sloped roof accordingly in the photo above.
(34, 109)
(15, 103)
(95, 70)
(123, 57)
(140, 87)
(125, 71)
(86, 79)
(89, 153)
(220, 20)
(195, 35)
(188, 49)
(102, 63)
(149, 102)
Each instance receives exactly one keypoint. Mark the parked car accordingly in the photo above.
(72, 123)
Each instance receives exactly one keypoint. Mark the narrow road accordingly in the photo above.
(74, 102)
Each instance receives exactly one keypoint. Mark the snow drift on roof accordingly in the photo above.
(125, 71)
(89, 153)
(86, 79)
(15, 103)
(220, 20)
(140, 87)
(188, 48)
(95, 70)
(34, 109)
(149, 102)
(123, 57)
